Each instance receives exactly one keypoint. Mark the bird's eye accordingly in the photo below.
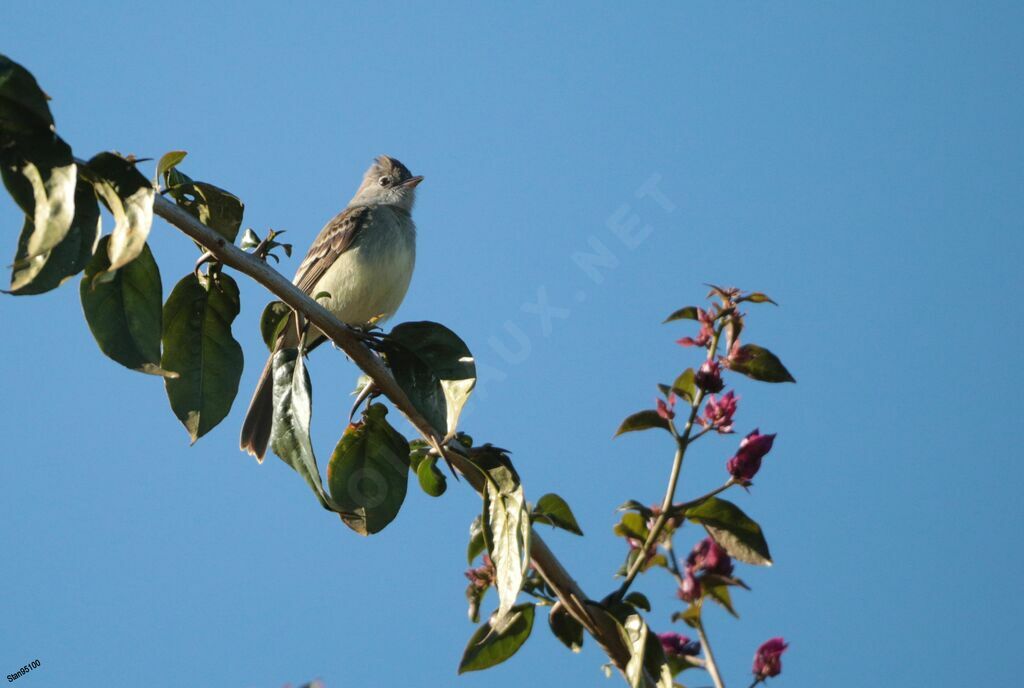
(384, 181)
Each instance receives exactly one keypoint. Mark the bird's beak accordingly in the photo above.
(412, 182)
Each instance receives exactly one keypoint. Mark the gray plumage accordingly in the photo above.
(363, 258)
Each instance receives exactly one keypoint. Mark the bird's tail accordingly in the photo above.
(256, 427)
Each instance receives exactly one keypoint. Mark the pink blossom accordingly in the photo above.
(718, 413)
(676, 645)
(747, 462)
(768, 658)
(710, 557)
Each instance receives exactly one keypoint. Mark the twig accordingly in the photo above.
(709, 657)
(550, 569)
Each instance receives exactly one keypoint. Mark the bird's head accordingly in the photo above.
(387, 182)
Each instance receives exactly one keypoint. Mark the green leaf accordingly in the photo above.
(40, 174)
(720, 594)
(759, 364)
(216, 208)
(54, 267)
(419, 449)
(273, 321)
(554, 511)
(432, 480)
(435, 369)
(567, 629)
(506, 523)
(642, 420)
(124, 309)
(757, 297)
(129, 197)
(477, 544)
(691, 616)
(686, 313)
(684, 385)
(632, 525)
(198, 345)
(369, 472)
(169, 161)
(498, 639)
(23, 106)
(638, 600)
(732, 529)
(293, 407)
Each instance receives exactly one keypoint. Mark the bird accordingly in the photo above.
(363, 259)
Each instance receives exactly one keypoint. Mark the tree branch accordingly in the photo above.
(544, 561)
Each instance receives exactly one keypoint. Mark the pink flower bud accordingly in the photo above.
(707, 330)
(768, 658)
(747, 462)
(667, 411)
(709, 377)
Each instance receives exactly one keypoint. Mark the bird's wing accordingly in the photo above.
(335, 238)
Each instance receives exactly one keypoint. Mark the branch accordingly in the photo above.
(599, 626)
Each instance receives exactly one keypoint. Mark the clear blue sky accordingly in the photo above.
(860, 162)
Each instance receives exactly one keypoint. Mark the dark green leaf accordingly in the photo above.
(124, 309)
(273, 321)
(129, 197)
(642, 420)
(369, 472)
(293, 407)
(476, 540)
(216, 208)
(686, 313)
(758, 363)
(51, 269)
(638, 601)
(40, 174)
(198, 345)
(435, 369)
(169, 161)
(432, 480)
(554, 511)
(732, 529)
(498, 639)
(567, 629)
(23, 106)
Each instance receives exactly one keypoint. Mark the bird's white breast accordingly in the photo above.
(368, 282)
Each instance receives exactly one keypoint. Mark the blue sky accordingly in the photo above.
(860, 162)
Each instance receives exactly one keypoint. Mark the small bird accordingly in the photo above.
(363, 258)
